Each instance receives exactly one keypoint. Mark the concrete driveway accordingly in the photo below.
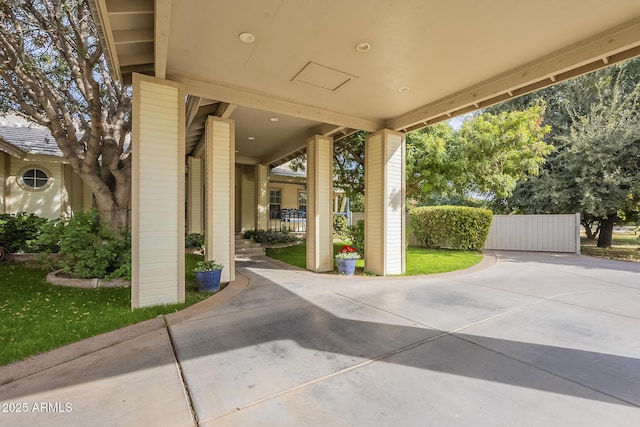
(529, 339)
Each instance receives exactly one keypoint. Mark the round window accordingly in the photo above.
(35, 178)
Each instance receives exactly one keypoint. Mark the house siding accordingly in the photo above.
(394, 205)
(220, 209)
(158, 193)
(195, 206)
(374, 214)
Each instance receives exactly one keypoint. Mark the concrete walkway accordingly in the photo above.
(530, 340)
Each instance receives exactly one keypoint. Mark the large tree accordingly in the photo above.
(595, 167)
(487, 155)
(53, 71)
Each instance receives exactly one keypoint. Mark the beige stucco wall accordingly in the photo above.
(288, 194)
(49, 202)
(245, 197)
(65, 193)
(78, 194)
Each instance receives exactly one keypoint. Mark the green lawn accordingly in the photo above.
(624, 246)
(419, 260)
(37, 316)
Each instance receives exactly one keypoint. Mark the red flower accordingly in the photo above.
(347, 249)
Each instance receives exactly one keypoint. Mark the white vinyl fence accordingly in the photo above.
(541, 233)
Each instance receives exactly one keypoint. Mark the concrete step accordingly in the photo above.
(247, 244)
(242, 252)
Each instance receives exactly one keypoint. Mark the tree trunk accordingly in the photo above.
(606, 231)
(588, 229)
(112, 204)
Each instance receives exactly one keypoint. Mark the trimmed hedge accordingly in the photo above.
(456, 227)
(269, 237)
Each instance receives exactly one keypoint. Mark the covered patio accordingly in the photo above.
(529, 339)
(219, 84)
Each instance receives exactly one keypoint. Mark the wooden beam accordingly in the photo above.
(289, 153)
(132, 36)
(129, 7)
(161, 46)
(225, 110)
(265, 102)
(247, 160)
(193, 103)
(326, 130)
(136, 59)
(619, 43)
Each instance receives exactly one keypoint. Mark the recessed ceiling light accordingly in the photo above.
(403, 89)
(251, 138)
(247, 37)
(363, 47)
(274, 119)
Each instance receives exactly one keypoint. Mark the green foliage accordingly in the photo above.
(356, 235)
(194, 240)
(596, 132)
(340, 225)
(37, 316)
(457, 227)
(208, 266)
(419, 260)
(19, 231)
(268, 236)
(487, 155)
(88, 248)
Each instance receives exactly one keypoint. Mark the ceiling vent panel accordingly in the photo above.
(323, 77)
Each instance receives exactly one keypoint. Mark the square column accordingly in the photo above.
(195, 196)
(157, 181)
(220, 194)
(385, 189)
(319, 203)
(262, 198)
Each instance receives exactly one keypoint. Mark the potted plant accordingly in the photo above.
(346, 260)
(207, 275)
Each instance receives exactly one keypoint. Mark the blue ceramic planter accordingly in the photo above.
(208, 281)
(346, 266)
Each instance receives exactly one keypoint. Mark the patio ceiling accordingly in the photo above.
(428, 60)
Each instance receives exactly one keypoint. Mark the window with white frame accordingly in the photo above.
(302, 201)
(34, 178)
(274, 203)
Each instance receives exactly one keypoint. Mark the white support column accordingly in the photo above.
(220, 194)
(319, 203)
(195, 195)
(157, 220)
(385, 203)
(262, 197)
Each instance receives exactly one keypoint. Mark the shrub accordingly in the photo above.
(88, 248)
(18, 231)
(194, 240)
(340, 225)
(268, 236)
(355, 233)
(456, 227)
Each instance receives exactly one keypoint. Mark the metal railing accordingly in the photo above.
(292, 220)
